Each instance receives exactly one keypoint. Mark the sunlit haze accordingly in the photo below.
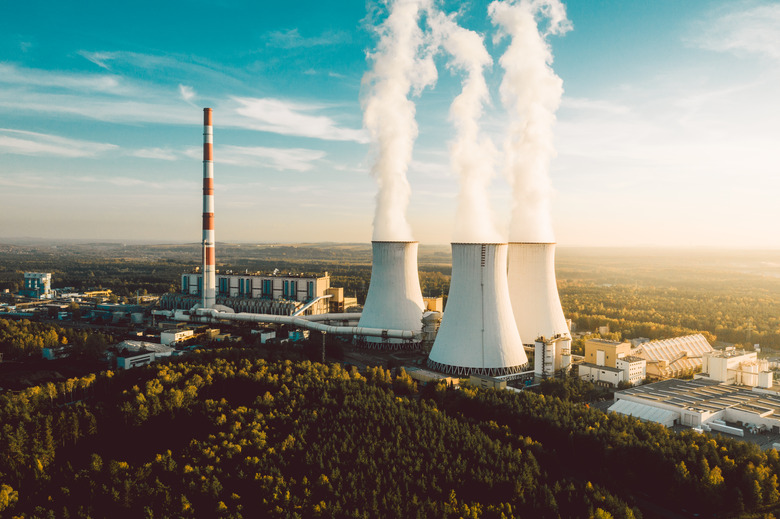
(666, 133)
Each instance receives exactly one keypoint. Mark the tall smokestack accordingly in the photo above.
(478, 334)
(394, 299)
(209, 264)
(534, 294)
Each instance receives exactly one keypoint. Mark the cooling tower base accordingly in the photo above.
(466, 371)
(387, 345)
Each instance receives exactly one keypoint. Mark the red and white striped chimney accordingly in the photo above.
(209, 265)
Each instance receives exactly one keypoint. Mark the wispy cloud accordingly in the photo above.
(114, 98)
(596, 105)
(155, 153)
(13, 75)
(134, 182)
(186, 92)
(741, 28)
(290, 118)
(280, 159)
(30, 143)
(291, 39)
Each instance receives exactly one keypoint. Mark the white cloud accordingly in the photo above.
(294, 159)
(596, 105)
(11, 74)
(31, 143)
(187, 92)
(289, 118)
(291, 39)
(155, 153)
(742, 28)
(143, 108)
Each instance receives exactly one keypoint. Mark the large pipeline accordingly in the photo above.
(308, 324)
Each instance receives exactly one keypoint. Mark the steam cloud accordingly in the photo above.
(531, 92)
(472, 155)
(401, 65)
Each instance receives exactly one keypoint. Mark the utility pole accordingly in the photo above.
(323, 347)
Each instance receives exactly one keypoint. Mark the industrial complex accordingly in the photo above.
(478, 334)
(503, 305)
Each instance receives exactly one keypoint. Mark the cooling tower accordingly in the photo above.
(394, 299)
(534, 294)
(478, 334)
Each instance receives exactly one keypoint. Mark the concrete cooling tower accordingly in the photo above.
(394, 299)
(478, 334)
(534, 294)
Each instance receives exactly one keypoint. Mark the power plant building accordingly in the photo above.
(37, 285)
(707, 404)
(674, 357)
(602, 352)
(273, 294)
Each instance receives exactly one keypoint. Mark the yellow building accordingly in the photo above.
(602, 352)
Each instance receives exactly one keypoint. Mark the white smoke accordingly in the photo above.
(402, 65)
(472, 155)
(531, 93)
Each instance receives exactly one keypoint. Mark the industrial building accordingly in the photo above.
(734, 366)
(131, 354)
(628, 369)
(611, 362)
(602, 352)
(273, 293)
(674, 357)
(174, 335)
(552, 356)
(37, 285)
(698, 403)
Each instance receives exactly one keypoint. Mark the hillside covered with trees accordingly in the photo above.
(226, 433)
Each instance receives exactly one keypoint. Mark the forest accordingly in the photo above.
(20, 339)
(228, 433)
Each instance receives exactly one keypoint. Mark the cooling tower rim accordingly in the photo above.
(394, 241)
(478, 243)
(532, 243)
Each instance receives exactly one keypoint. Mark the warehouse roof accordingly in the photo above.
(706, 396)
(681, 353)
(645, 412)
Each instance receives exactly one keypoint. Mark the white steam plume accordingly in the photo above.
(472, 155)
(402, 64)
(531, 92)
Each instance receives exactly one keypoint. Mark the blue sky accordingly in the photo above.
(667, 134)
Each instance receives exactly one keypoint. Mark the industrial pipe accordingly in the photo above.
(302, 322)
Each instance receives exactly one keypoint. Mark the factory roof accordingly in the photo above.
(606, 341)
(139, 346)
(681, 353)
(631, 358)
(731, 352)
(644, 412)
(603, 368)
(706, 396)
